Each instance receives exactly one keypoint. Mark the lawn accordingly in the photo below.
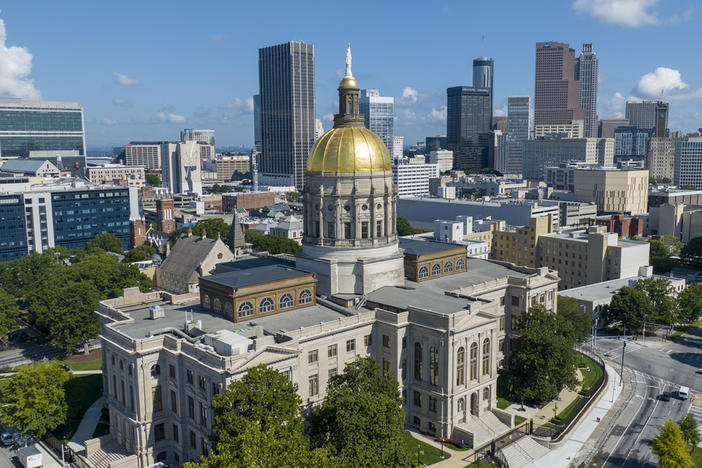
(503, 396)
(95, 364)
(480, 464)
(81, 392)
(590, 370)
(554, 422)
(519, 419)
(697, 457)
(428, 453)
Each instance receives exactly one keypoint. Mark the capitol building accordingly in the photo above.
(436, 320)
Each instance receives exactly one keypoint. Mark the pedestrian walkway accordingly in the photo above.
(589, 422)
(87, 426)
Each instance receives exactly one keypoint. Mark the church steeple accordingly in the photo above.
(348, 115)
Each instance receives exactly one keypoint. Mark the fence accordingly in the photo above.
(494, 447)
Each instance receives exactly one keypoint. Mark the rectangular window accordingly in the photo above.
(203, 446)
(330, 230)
(379, 228)
(312, 356)
(364, 230)
(314, 385)
(215, 389)
(157, 400)
(189, 376)
(191, 407)
(131, 398)
(432, 405)
(193, 440)
(175, 432)
(203, 415)
(331, 351)
(502, 323)
(347, 231)
(332, 372)
(159, 432)
(515, 300)
(417, 399)
(367, 340)
(403, 367)
(386, 367)
(171, 371)
(202, 383)
(404, 342)
(174, 402)
(350, 345)
(386, 341)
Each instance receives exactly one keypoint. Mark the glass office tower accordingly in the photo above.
(27, 126)
(379, 115)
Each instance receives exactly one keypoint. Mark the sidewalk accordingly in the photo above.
(87, 426)
(564, 455)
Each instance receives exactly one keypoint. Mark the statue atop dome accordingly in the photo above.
(348, 62)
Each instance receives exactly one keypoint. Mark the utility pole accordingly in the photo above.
(622, 368)
(643, 336)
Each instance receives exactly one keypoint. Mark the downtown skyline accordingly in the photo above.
(137, 82)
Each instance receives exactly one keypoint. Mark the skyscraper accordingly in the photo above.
(586, 72)
(467, 118)
(181, 166)
(648, 115)
(378, 115)
(286, 83)
(556, 90)
(517, 133)
(49, 127)
(201, 136)
(483, 68)
(258, 133)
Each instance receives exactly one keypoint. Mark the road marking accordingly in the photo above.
(625, 429)
(643, 428)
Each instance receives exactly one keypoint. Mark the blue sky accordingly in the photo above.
(144, 70)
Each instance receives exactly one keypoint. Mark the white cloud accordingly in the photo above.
(662, 81)
(328, 117)
(124, 80)
(438, 114)
(121, 103)
(407, 114)
(108, 122)
(616, 105)
(241, 105)
(410, 94)
(501, 111)
(15, 66)
(630, 13)
(169, 117)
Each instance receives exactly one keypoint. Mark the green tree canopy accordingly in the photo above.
(660, 292)
(361, 422)
(258, 422)
(629, 306)
(690, 302)
(9, 312)
(404, 228)
(214, 227)
(34, 399)
(689, 430)
(152, 179)
(657, 248)
(671, 449)
(544, 355)
(216, 188)
(691, 253)
(18, 277)
(271, 244)
(139, 254)
(567, 308)
(107, 242)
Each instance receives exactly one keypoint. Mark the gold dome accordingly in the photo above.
(348, 82)
(349, 150)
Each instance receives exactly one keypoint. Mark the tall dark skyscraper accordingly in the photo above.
(647, 115)
(517, 132)
(483, 69)
(586, 70)
(286, 84)
(468, 122)
(556, 91)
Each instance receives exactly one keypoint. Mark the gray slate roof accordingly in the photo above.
(187, 254)
(420, 247)
(251, 276)
(22, 165)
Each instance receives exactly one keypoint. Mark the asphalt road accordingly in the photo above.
(8, 459)
(650, 370)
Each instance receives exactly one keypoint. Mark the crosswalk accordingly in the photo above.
(696, 412)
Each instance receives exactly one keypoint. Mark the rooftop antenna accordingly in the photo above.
(482, 47)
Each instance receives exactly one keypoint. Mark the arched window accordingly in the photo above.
(486, 393)
(228, 310)
(155, 370)
(217, 305)
(286, 301)
(305, 297)
(448, 267)
(418, 362)
(266, 305)
(460, 264)
(433, 366)
(206, 302)
(460, 366)
(423, 272)
(486, 356)
(461, 405)
(435, 269)
(246, 309)
(474, 361)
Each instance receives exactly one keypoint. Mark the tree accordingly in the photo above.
(34, 399)
(582, 322)
(106, 242)
(689, 430)
(690, 302)
(404, 228)
(9, 312)
(657, 248)
(544, 355)
(361, 422)
(215, 228)
(258, 422)
(661, 295)
(670, 448)
(216, 188)
(691, 253)
(271, 244)
(293, 195)
(19, 276)
(139, 254)
(152, 179)
(629, 306)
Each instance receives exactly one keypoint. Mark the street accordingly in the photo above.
(8, 459)
(650, 370)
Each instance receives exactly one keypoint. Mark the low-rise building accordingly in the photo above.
(412, 179)
(688, 163)
(246, 200)
(624, 226)
(113, 173)
(30, 167)
(550, 152)
(442, 158)
(613, 190)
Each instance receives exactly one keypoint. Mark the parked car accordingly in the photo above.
(9, 436)
(665, 396)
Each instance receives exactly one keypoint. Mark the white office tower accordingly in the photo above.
(517, 132)
(181, 167)
(398, 143)
(378, 115)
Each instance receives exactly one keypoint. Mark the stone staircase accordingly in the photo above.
(523, 452)
(484, 428)
(109, 454)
